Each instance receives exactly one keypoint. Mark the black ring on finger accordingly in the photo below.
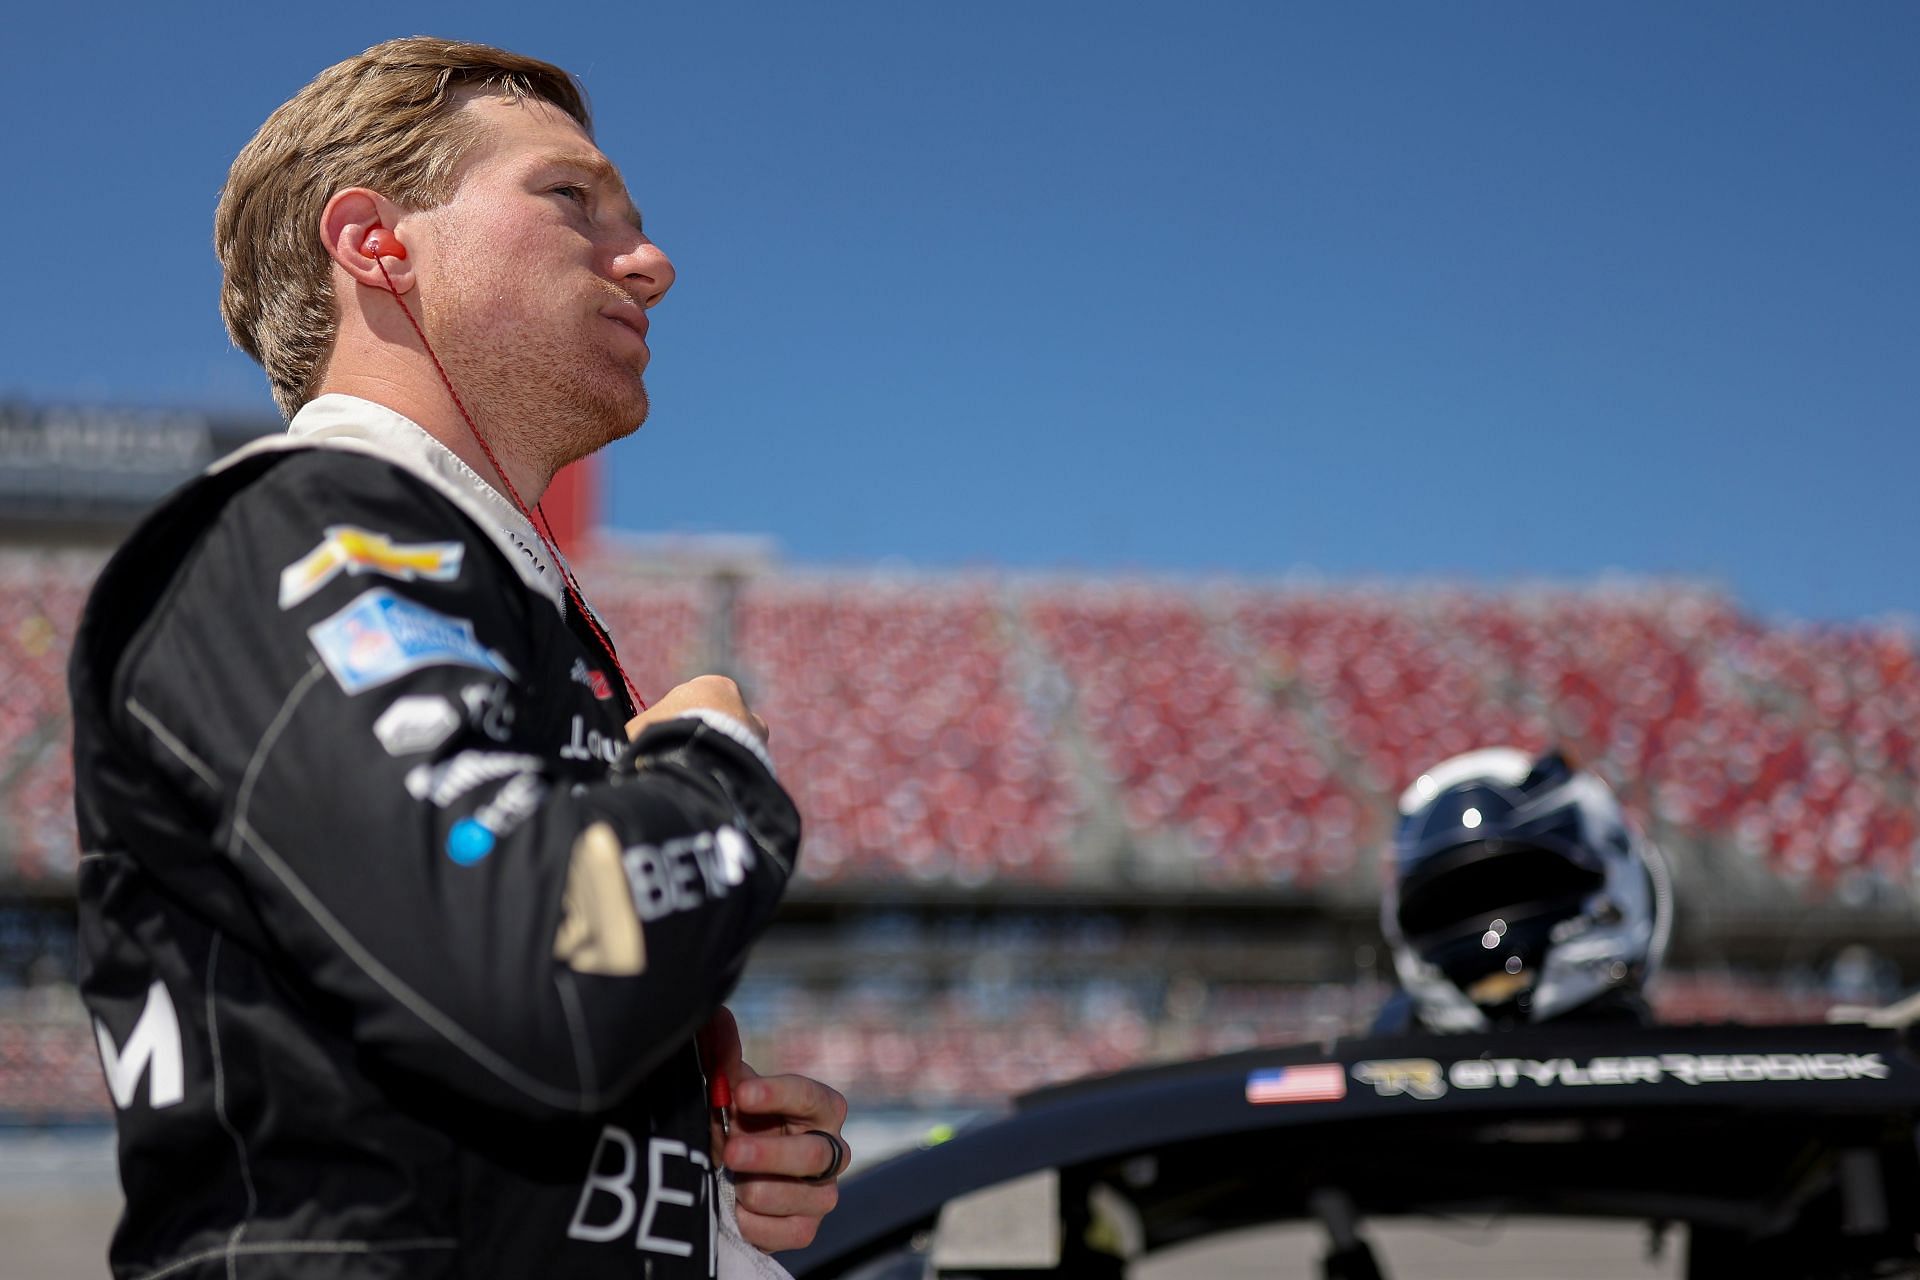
(834, 1162)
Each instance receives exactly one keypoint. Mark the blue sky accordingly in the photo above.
(1488, 290)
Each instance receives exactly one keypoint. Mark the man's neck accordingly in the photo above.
(433, 412)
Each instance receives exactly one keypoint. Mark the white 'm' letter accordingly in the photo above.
(155, 1043)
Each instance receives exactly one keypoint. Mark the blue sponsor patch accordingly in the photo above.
(469, 841)
(381, 636)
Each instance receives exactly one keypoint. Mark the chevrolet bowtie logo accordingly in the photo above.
(360, 551)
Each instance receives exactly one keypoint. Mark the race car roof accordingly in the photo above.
(1738, 1127)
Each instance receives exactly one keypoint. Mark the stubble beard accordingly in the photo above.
(546, 403)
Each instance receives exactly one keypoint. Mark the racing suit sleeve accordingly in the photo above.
(536, 931)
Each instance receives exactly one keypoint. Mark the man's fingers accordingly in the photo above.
(788, 1133)
(807, 1103)
(783, 1197)
(713, 693)
(773, 1234)
(787, 1155)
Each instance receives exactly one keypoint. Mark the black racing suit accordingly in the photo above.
(395, 950)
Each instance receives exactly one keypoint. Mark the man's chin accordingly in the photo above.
(634, 418)
(612, 422)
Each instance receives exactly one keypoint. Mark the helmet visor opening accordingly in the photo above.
(1469, 886)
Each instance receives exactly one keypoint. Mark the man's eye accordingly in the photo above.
(574, 193)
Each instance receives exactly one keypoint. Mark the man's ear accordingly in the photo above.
(344, 225)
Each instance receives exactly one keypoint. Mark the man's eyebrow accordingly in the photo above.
(601, 169)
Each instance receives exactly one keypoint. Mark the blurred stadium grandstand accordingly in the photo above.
(1061, 825)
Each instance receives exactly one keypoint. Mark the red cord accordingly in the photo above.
(553, 551)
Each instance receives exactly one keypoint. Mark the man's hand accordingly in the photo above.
(772, 1152)
(713, 693)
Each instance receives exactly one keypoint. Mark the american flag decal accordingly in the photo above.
(1316, 1082)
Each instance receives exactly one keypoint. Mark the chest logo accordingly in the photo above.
(417, 722)
(381, 636)
(352, 550)
(590, 744)
(596, 681)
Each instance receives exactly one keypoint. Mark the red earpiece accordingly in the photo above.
(381, 243)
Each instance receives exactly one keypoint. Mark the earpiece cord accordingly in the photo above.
(553, 551)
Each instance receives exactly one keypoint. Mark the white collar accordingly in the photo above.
(336, 421)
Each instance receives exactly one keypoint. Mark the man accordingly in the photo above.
(1521, 893)
(402, 960)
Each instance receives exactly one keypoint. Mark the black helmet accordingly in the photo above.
(1519, 892)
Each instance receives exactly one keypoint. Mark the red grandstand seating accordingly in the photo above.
(40, 599)
(1191, 739)
(900, 726)
(1840, 800)
(1396, 680)
(50, 1071)
(926, 722)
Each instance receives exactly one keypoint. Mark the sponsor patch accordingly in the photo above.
(447, 781)
(468, 842)
(353, 550)
(539, 565)
(682, 874)
(1415, 1077)
(590, 744)
(599, 931)
(417, 722)
(1315, 1082)
(489, 709)
(473, 837)
(380, 637)
(594, 680)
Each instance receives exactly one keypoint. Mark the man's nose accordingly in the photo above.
(645, 272)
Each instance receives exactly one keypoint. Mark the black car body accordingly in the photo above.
(1784, 1151)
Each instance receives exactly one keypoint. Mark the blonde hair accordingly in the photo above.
(386, 119)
